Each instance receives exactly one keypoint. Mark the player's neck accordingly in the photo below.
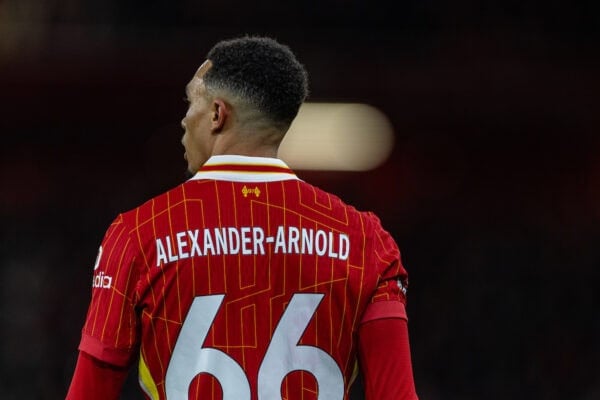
(247, 144)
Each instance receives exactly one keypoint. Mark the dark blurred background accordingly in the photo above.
(492, 189)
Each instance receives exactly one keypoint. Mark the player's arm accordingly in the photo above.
(383, 346)
(110, 333)
(384, 356)
(96, 380)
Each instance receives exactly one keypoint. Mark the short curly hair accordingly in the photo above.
(262, 73)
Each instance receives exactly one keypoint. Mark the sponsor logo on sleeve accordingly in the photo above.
(97, 263)
(101, 280)
(401, 287)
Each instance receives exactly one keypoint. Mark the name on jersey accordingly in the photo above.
(251, 240)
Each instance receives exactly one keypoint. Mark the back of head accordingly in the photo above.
(260, 76)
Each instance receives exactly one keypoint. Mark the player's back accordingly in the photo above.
(251, 285)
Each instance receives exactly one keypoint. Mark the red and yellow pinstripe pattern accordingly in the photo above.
(146, 305)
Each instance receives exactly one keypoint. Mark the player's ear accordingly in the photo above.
(220, 113)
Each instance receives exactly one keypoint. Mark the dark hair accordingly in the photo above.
(262, 72)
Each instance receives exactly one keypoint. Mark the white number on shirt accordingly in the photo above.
(283, 355)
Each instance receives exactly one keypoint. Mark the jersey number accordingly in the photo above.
(283, 355)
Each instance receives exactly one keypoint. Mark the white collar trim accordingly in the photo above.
(236, 168)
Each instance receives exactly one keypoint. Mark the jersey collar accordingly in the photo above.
(245, 169)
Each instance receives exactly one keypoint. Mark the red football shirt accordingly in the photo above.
(242, 283)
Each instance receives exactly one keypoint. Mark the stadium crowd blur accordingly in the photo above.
(492, 190)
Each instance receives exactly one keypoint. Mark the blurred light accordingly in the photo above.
(337, 137)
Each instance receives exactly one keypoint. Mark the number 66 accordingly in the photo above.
(283, 355)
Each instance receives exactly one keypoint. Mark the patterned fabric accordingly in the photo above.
(243, 282)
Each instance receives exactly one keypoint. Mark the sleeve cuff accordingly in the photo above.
(384, 309)
(95, 348)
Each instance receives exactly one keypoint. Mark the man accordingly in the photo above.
(245, 282)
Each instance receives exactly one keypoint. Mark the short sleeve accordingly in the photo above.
(389, 298)
(110, 332)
